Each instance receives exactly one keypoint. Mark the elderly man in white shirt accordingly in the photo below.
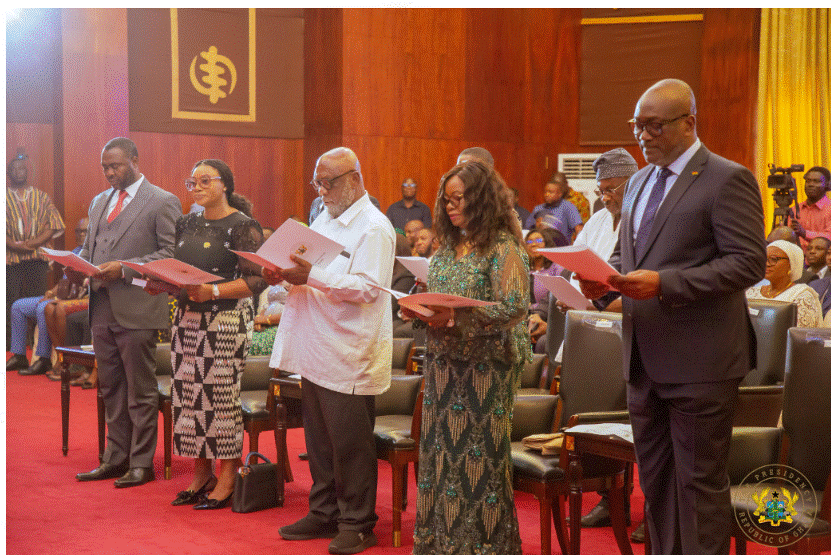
(336, 332)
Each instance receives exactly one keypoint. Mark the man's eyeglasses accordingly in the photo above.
(773, 260)
(327, 184)
(654, 127)
(608, 191)
(536, 241)
(454, 200)
(204, 182)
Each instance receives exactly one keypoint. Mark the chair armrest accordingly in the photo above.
(598, 417)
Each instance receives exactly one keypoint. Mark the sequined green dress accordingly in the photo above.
(465, 493)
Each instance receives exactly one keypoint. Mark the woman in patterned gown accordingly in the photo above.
(211, 333)
(472, 368)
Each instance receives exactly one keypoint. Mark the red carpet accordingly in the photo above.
(48, 511)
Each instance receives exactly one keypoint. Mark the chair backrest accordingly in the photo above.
(533, 414)
(401, 352)
(401, 396)
(591, 378)
(806, 412)
(532, 371)
(164, 366)
(554, 334)
(257, 373)
(771, 321)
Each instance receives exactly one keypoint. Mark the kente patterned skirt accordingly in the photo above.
(208, 351)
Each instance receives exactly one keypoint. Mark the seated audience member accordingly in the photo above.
(815, 267)
(539, 264)
(267, 319)
(576, 198)
(267, 231)
(513, 198)
(475, 153)
(404, 282)
(556, 205)
(783, 233)
(50, 312)
(815, 212)
(612, 171)
(783, 268)
(426, 243)
(411, 229)
(409, 208)
(822, 286)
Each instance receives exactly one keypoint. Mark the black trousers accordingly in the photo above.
(682, 436)
(342, 458)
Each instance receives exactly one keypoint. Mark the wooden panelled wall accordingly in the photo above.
(407, 89)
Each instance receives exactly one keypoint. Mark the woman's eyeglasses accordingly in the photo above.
(204, 182)
(772, 260)
(454, 200)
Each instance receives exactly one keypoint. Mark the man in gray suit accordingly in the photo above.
(691, 240)
(134, 221)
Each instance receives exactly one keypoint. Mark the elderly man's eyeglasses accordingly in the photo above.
(608, 190)
(204, 182)
(654, 127)
(454, 200)
(327, 184)
(535, 241)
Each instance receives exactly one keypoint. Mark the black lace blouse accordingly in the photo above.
(207, 245)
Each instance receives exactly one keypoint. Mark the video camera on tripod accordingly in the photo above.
(784, 194)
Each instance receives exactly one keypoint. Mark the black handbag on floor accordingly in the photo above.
(255, 486)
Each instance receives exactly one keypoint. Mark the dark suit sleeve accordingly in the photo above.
(737, 222)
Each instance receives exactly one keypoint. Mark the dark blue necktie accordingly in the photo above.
(655, 198)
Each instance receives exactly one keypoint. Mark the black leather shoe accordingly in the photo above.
(598, 517)
(135, 477)
(188, 497)
(40, 366)
(350, 541)
(308, 528)
(17, 362)
(104, 472)
(639, 534)
(210, 504)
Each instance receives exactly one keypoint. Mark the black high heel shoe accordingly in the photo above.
(210, 504)
(188, 497)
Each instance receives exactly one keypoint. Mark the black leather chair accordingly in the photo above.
(401, 350)
(591, 382)
(397, 431)
(760, 392)
(806, 441)
(254, 398)
(531, 381)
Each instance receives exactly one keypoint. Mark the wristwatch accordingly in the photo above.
(215, 294)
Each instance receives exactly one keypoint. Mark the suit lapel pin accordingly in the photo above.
(694, 174)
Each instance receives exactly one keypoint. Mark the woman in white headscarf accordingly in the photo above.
(784, 266)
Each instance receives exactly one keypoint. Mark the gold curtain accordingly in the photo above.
(794, 103)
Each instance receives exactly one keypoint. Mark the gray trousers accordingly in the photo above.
(127, 378)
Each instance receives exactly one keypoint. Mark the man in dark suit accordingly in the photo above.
(691, 241)
(823, 286)
(133, 221)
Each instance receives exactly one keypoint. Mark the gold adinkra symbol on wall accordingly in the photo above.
(212, 78)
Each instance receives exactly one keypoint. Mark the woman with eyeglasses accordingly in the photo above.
(211, 333)
(472, 367)
(546, 237)
(783, 268)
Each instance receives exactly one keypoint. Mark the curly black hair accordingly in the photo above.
(486, 208)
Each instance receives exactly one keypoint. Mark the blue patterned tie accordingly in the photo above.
(652, 205)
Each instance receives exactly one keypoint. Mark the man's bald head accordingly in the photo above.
(783, 233)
